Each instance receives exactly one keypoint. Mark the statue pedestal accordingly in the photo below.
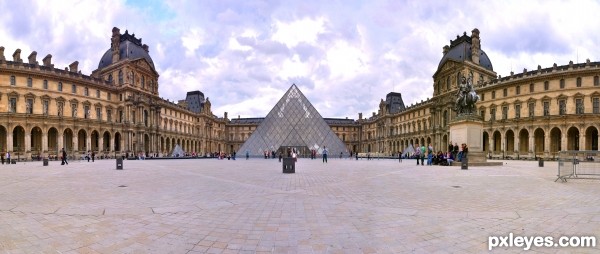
(468, 129)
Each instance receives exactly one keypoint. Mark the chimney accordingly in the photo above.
(48, 61)
(73, 66)
(225, 115)
(115, 42)
(359, 116)
(446, 49)
(17, 56)
(475, 46)
(2, 58)
(32, 58)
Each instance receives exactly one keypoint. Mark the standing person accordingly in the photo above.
(247, 155)
(64, 158)
(400, 157)
(422, 154)
(429, 154)
(465, 150)
(325, 154)
(450, 147)
(2, 155)
(417, 152)
(7, 157)
(88, 156)
(93, 156)
(455, 150)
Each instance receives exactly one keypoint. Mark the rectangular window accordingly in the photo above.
(546, 85)
(86, 112)
(596, 81)
(518, 90)
(12, 105)
(60, 86)
(562, 84)
(45, 84)
(98, 114)
(493, 95)
(531, 88)
(120, 116)
(579, 106)
(546, 108)
(518, 111)
(86, 91)
(13, 81)
(493, 114)
(482, 96)
(596, 105)
(120, 97)
(505, 92)
(504, 113)
(108, 115)
(482, 113)
(578, 82)
(562, 107)
(45, 104)
(97, 93)
(29, 106)
(29, 82)
(108, 96)
(531, 109)
(73, 88)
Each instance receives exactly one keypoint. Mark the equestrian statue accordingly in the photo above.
(466, 97)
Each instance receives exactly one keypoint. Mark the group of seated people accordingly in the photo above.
(442, 159)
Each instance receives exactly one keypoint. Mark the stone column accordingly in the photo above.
(101, 143)
(27, 143)
(531, 145)
(547, 145)
(88, 142)
(44, 144)
(9, 141)
(582, 142)
(60, 141)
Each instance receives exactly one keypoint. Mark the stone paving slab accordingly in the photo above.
(249, 206)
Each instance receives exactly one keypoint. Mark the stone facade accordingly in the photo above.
(114, 111)
(117, 109)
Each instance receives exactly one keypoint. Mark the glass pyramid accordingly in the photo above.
(293, 124)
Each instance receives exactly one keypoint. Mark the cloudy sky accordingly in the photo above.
(344, 55)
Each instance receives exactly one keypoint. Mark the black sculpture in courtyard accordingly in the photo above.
(466, 97)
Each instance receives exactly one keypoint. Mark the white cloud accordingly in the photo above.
(345, 56)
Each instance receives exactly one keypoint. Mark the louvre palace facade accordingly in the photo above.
(117, 109)
(114, 111)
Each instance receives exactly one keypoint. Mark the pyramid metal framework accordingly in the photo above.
(293, 122)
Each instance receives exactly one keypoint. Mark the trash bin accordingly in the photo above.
(45, 161)
(541, 162)
(119, 163)
(464, 163)
(289, 165)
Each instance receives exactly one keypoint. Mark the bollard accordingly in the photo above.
(45, 162)
(119, 163)
(289, 165)
(464, 163)
(541, 162)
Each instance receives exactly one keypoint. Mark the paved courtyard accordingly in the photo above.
(345, 206)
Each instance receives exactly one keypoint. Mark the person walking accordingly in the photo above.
(8, 158)
(64, 158)
(325, 154)
(247, 155)
(93, 156)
